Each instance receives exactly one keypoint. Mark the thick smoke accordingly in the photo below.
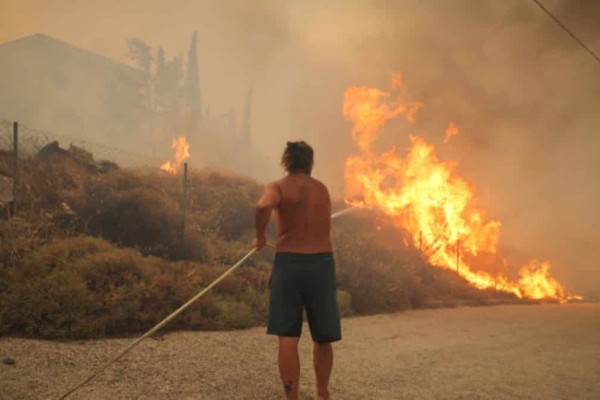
(525, 97)
(523, 93)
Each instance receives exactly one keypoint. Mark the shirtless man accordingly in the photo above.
(304, 268)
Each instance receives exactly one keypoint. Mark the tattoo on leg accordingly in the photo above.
(288, 386)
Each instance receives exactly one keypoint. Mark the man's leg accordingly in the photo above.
(289, 366)
(323, 363)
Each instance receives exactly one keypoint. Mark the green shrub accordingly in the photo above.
(45, 300)
(344, 303)
(140, 218)
(85, 287)
(141, 210)
(233, 314)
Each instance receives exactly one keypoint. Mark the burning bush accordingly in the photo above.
(383, 274)
(429, 199)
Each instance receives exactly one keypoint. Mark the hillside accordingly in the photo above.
(97, 250)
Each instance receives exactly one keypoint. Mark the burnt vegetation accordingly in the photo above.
(97, 250)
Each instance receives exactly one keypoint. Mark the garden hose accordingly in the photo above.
(159, 325)
(174, 314)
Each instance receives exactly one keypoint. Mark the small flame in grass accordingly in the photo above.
(535, 282)
(452, 130)
(182, 153)
(428, 198)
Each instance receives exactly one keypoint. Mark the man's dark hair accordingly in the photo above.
(298, 157)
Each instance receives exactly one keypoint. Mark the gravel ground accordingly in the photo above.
(504, 352)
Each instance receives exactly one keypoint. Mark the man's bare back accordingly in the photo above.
(303, 215)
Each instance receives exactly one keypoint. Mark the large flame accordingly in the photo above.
(182, 153)
(428, 198)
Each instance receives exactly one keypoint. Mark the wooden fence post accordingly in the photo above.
(184, 202)
(15, 167)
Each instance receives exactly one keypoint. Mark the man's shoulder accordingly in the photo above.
(274, 185)
(278, 183)
(319, 184)
(294, 182)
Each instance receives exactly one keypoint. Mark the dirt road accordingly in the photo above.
(505, 352)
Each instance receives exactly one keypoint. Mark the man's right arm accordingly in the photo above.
(270, 199)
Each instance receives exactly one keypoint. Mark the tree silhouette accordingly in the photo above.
(141, 54)
(161, 85)
(193, 95)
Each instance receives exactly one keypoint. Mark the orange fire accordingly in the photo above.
(182, 153)
(428, 198)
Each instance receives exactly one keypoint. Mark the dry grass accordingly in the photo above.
(97, 251)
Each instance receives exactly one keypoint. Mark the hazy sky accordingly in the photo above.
(525, 96)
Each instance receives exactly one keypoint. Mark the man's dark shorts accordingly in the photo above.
(304, 281)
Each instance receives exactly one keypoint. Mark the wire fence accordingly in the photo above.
(31, 141)
(34, 143)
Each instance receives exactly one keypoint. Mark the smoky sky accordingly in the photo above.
(524, 95)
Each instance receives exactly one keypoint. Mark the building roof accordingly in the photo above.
(40, 40)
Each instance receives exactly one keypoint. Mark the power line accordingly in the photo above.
(567, 30)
